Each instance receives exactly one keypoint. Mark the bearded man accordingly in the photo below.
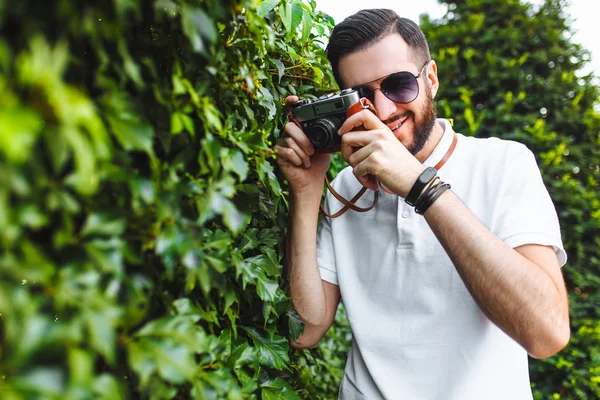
(454, 277)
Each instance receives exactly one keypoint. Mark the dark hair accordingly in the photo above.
(365, 28)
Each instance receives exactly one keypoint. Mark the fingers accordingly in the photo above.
(294, 132)
(366, 172)
(366, 165)
(360, 155)
(365, 161)
(286, 154)
(371, 129)
(287, 109)
(294, 147)
(364, 118)
(291, 152)
(352, 141)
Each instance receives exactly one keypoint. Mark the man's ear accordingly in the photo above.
(432, 78)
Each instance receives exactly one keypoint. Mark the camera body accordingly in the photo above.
(320, 119)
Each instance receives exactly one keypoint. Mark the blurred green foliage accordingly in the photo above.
(141, 218)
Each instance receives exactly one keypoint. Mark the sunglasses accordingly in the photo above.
(400, 87)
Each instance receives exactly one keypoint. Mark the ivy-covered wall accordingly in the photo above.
(140, 215)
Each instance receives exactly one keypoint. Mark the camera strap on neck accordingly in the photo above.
(350, 204)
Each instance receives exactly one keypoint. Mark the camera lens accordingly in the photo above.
(323, 132)
(319, 137)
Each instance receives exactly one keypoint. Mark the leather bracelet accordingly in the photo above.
(422, 181)
(434, 182)
(430, 197)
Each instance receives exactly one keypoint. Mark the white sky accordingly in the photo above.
(583, 12)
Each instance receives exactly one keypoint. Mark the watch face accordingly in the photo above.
(428, 174)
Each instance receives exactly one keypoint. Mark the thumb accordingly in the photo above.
(291, 99)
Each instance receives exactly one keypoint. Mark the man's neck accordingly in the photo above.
(436, 135)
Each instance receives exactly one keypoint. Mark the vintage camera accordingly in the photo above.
(320, 119)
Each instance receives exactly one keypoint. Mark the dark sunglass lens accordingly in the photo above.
(401, 87)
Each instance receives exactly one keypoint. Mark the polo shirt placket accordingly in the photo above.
(404, 223)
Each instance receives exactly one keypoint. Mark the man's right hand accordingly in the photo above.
(302, 168)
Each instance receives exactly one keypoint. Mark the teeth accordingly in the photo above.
(399, 125)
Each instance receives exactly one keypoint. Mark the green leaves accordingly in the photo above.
(141, 220)
(268, 178)
(295, 14)
(168, 345)
(101, 330)
(101, 224)
(272, 350)
(277, 389)
(131, 132)
(173, 362)
(285, 11)
(266, 6)
(234, 161)
(198, 27)
(306, 24)
(19, 130)
(296, 326)
(107, 387)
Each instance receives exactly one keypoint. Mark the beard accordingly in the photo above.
(423, 127)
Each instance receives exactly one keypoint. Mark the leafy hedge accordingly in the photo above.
(141, 219)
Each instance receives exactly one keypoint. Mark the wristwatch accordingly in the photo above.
(423, 180)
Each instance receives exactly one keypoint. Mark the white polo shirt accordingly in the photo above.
(417, 332)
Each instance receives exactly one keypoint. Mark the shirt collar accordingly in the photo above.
(442, 147)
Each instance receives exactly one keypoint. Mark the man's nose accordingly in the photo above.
(385, 107)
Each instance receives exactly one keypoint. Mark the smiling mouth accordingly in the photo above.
(398, 124)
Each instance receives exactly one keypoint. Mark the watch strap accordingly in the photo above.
(422, 181)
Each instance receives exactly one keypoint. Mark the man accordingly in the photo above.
(443, 305)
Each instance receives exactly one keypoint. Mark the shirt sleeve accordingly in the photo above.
(325, 249)
(526, 214)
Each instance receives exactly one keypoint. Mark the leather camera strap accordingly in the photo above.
(350, 205)
(448, 153)
(362, 104)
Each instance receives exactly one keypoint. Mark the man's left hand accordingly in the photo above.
(376, 154)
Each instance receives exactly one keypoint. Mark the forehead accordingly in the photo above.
(386, 56)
